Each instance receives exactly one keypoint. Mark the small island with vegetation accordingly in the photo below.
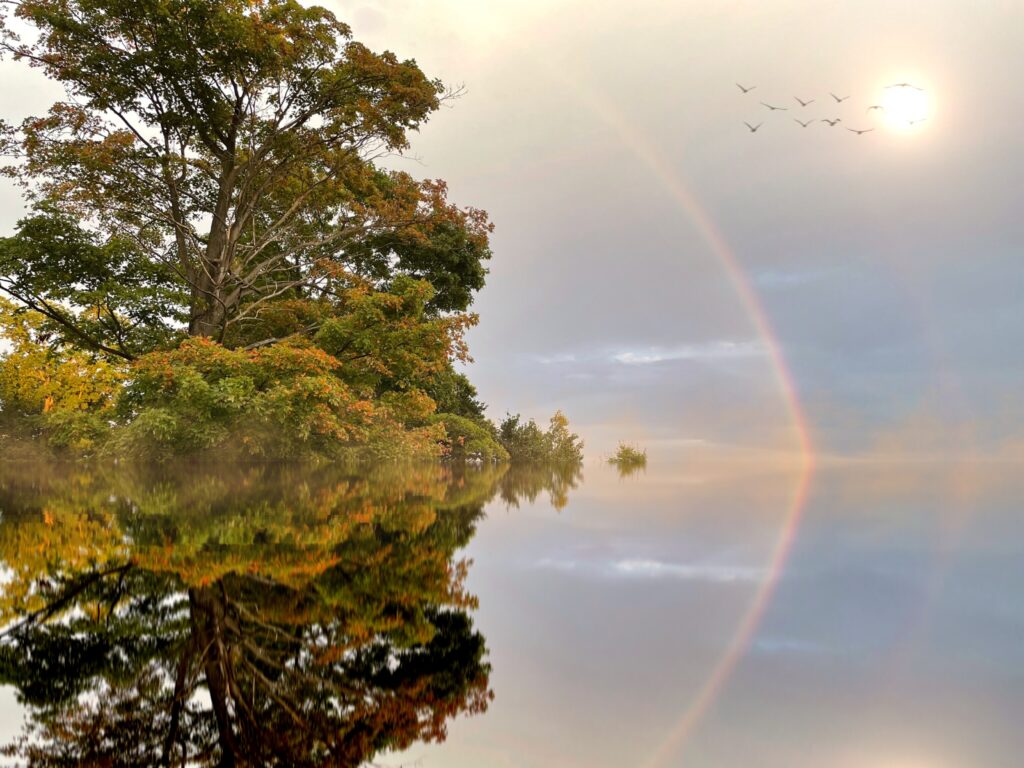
(628, 459)
(217, 263)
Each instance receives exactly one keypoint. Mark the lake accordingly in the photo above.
(711, 610)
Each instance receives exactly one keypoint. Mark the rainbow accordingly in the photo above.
(675, 741)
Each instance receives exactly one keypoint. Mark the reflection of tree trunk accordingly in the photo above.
(208, 612)
(188, 653)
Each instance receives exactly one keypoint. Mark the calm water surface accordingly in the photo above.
(687, 615)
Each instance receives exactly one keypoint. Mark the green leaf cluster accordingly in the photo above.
(282, 401)
(468, 439)
(528, 443)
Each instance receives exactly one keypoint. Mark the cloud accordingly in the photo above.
(633, 568)
(719, 574)
(772, 646)
(784, 278)
(560, 359)
(714, 350)
(553, 564)
(722, 349)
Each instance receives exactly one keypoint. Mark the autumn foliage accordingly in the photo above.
(64, 391)
(281, 401)
(215, 260)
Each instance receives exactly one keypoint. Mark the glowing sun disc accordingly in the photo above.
(906, 107)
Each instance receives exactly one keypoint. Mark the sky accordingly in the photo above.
(664, 275)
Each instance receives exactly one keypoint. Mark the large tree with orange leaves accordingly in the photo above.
(214, 171)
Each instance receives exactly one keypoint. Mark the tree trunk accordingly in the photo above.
(206, 323)
(208, 311)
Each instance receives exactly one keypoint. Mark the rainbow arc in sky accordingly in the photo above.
(673, 744)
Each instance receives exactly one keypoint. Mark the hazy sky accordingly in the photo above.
(607, 142)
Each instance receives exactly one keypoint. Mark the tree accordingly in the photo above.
(564, 447)
(528, 443)
(524, 441)
(454, 393)
(219, 155)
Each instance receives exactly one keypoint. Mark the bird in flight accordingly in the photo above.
(904, 85)
(746, 90)
(774, 109)
(802, 123)
(914, 122)
(832, 123)
(839, 99)
(802, 102)
(859, 132)
(875, 106)
(753, 128)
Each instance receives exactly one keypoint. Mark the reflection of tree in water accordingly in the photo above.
(528, 481)
(626, 469)
(279, 617)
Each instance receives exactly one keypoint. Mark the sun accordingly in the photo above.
(907, 107)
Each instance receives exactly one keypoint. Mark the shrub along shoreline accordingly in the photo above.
(290, 400)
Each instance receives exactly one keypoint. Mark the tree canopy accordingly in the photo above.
(213, 157)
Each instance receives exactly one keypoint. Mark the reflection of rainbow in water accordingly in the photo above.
(642, 149)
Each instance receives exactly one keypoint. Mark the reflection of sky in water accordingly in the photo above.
(893, 640)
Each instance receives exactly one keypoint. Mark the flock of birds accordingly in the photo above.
(832, 122)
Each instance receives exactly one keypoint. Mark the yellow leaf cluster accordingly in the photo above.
(35, 378)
